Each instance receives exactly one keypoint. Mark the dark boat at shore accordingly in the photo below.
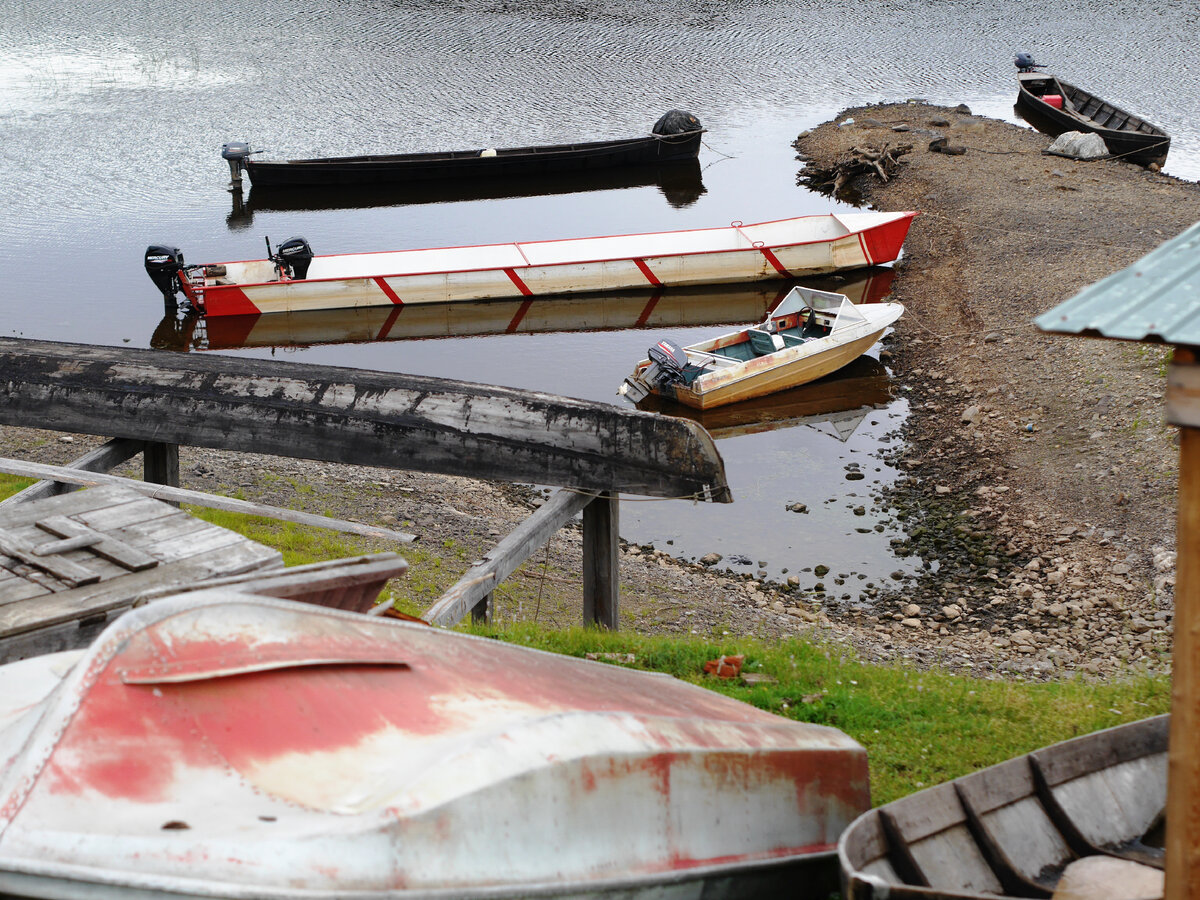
(1055, 107)
(675, 137)
(1010, 830)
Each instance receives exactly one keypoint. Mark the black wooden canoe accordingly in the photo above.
(653, 149)
(1011, 829)
(1052, 105)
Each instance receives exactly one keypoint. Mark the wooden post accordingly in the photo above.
(601, 548)
(1183, 755)
(481, 612)
(160, 464)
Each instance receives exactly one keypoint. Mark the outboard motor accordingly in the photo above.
(294, 255)
(676, 121)
(236, 153)
(1025, 63)
(164, 265)
(667, 362)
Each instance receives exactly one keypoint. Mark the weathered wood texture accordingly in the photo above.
(352, 583)
(103, 459)
(355, 416)
(1183, 766)
(175, 496)
(113, 544)
(601, 546)
(481, 579)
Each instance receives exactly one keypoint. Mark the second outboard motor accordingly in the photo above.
(236, 153)
(1025, 63)
(676, 122)
(295, 254)
(163, 265)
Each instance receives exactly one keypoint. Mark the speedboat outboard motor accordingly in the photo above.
(164, 265)
(676, 121)
(294, 254)
(667, 362)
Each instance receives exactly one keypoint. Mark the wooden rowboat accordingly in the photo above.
(674, 138)
(1055, 107)
(219, 744)
(809, 335)
(1010, 830)
(293, 279)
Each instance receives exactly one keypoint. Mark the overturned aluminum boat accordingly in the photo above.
(293, 279)
(219, 744)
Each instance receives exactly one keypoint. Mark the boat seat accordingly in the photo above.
(812, 328)
(763, 343)
(791, 340)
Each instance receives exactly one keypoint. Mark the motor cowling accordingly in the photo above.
(669, 356)
(667, 362)
(164, 265)
(676, 121)
(236, 151)
(296, 254)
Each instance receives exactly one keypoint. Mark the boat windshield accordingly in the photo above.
(836, 306)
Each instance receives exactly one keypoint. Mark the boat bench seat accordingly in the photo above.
(763, 343)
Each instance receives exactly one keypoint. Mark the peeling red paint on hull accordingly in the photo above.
(219, 743)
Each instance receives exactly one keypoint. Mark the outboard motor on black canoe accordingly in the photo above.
(1025, 63)
(236, 153)
(676, 121)
(164, 265)
(667, 362)
(294, 255)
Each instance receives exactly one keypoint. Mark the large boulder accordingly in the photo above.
(1078, 145)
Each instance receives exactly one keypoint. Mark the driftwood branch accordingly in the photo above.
(880, 162)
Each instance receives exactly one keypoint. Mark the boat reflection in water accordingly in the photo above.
(680, 183)
(836, 404)
(651, 308)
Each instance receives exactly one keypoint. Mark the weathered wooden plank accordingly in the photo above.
(103, 459)
(110, 495)
(63, 569)
(14, 588)
(601, 548)
(355, 416)
(104, 545)
(84, 602)
(198, 498)
(518, 546)
(160, 463)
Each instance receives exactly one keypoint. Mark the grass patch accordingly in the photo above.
(920, 727)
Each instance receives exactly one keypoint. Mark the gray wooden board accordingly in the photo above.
(952, 860)
(356, 417)
(1118, 803)
(54, 609)
(1063, 762)
(103, 459)
(1027, 836)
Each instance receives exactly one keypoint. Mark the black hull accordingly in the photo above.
(1133, 139)
(507, 163)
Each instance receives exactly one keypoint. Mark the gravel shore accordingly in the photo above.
(1040, 475)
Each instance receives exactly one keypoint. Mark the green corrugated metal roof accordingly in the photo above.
(1157, 298)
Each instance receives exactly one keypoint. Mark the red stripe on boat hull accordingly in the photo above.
(882, 243)
(516, 279)
(387, 290)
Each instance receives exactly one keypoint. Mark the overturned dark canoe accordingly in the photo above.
(1055, 107)
(1011, 829)
(663, 145)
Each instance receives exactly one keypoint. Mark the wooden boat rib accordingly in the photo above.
(220, 744)
(809, 335)
(1056, 107)
(1011, 829)
(786, 248)
(675, 137)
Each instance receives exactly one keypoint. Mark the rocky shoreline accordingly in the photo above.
(1038, 474)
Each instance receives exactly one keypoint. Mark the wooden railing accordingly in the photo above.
(153, 402)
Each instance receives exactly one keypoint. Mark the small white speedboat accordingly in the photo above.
(808, 335)
(219, 744)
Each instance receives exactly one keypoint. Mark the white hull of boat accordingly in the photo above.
(804, 246)
(223, 745)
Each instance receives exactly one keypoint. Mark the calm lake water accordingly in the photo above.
(114, 114)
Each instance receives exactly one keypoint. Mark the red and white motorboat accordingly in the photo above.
(221, 744)
(293, 279)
